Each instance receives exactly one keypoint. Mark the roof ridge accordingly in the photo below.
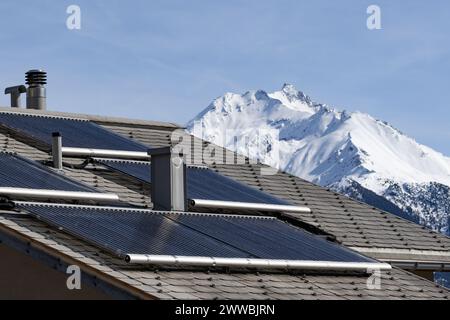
(91, 117)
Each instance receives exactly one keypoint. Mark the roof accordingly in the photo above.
(363, 228)
(184, 284)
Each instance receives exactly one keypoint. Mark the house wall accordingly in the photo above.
(22, 277)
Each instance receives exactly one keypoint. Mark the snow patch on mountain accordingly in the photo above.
(351, 152)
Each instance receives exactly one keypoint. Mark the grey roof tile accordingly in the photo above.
(183, 296)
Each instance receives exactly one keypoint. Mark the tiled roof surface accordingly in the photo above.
(185, 284)
(352, 223)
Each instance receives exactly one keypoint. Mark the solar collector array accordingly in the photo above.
(140, 170)
(133, 231)
(76, 133)
(207, 184)
(122, 232)
(130, 231)
(202, 183)
(19, 172)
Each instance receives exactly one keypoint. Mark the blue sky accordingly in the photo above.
(167, 60)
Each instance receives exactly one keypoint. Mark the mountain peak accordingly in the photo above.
(292, 93)
(330, 147)
(289, 88)
(312, 136)
(256, 95)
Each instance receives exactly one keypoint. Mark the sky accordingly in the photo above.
(167, 60)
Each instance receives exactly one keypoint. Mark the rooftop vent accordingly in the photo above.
(36, 92)
(15, 93)
(36, 95)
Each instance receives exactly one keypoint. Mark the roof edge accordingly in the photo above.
(31, 244)
(431, 258)
(95, 118)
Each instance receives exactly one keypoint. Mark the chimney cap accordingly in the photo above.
(36, 77)
(35, 71)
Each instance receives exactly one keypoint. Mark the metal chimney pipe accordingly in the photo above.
(57, 150)
(36, 92)
(15, 93)
(168, 172)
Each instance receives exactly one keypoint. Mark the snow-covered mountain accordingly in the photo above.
(351, 152)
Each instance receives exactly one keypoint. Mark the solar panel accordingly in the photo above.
(75, 132)
(140, 170)
(19, 172)
(202, 183)
(267, 238)
(206, 184)
(125, 231)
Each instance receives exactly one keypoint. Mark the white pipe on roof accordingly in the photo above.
(256, 263)
(104, 153)
(247, 206)
(57, 194)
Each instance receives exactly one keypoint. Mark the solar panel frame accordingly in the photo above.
(123, 231)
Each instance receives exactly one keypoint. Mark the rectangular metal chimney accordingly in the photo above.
(168, 176)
